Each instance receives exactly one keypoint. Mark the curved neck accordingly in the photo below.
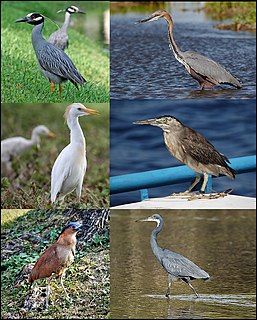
(153, 241)
(66, 23)
(37, 34)
(76, 133)
(173, 45)
(35, 138)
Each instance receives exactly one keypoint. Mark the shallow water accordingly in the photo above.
(229, 125)
(222, 242)
(143, 67)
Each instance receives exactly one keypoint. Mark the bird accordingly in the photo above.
(206, 71)
(70, 166)
(57, 258)
(177, 266)
(12, 147)
(192, 149)
(60, 37)
(53, 62)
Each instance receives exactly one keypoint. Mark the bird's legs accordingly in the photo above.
(187, 281)
(52, 86)
(186, 193)
(169, 286)
(48, 291)
(67, 296)
(60, 89)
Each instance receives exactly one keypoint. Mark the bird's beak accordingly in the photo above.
(91, 111)
(152, 17)
(80, 11)
(149, 121)
(51, 134)
(78, 226)
(145, 219)
(25, 19)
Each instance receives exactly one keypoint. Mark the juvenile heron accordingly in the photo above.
(60, 37)
(192, 149)
(205, 70)
(53, 62)
(177, 266)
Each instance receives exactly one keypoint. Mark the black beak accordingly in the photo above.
(151, 18)
(80, 11)
(22, 20)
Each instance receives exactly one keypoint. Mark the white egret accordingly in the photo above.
(12, 147)
(70, 166)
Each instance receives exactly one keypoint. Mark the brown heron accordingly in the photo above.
(192, 149)
(205, 70)
(177, 266)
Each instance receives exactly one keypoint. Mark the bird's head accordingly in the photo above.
(72, 227)
(164, 122)
(43, 130)
(71, 10)
(77, 110)
(155, 218)
(32, 18)
(155, 16)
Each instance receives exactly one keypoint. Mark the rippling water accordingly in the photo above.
(228, 124)
(142, 65)
(222, 242)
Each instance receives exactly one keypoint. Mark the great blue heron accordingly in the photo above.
(192, 149)
(177, 266)
(205, 70)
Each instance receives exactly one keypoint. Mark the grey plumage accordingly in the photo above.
(192, 149)
(205, 70)
(54, 63)
(177, 266)
(60, 37)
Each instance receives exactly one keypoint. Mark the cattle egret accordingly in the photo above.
(12, 147)
(70, 166)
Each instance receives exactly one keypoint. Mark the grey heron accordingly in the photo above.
(205, 70)
(177, 266)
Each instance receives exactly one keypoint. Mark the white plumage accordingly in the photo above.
(70, 166)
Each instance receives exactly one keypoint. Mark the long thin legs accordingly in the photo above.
(48, 292)
(67, 296)
(187, 281)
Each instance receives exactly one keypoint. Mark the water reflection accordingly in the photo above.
(222, 242)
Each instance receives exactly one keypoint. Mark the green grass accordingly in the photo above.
(242, 13)
(29, 185)
(21, 79)
(87, 279)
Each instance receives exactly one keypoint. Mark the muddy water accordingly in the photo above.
(143, 66)
(221, 242)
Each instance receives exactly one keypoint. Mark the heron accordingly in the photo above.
(177, 266)
(192, 149)
(206, 71)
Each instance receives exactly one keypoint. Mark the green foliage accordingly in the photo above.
(33, 168)
(21, 80)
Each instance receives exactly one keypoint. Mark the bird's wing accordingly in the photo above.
(200, 149)
(179, 266)
(52, 59)
(59, 39)
(209, 68)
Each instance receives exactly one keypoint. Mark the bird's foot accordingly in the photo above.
(214, 195)
(180, 194)
(167, 295)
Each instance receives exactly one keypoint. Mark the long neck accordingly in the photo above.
(37, 35)
(35, 138)
(66, 23)
(76, 133)
(173, 45)
(153, 240)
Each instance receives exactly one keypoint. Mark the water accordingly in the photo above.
(228, 124)
(222, 242)
(143, 67)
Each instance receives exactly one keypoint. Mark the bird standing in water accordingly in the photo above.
(177, 266)
(205, 70)
(70, 166)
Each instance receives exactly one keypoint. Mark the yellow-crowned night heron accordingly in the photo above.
(53, 62)
(205, 70)
(177, 266)
(60, 37)
(192, 149)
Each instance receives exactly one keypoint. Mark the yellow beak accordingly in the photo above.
(90, 111)
(51, 134)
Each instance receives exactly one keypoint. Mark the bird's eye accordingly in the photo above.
(79, 109)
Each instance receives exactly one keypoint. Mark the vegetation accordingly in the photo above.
(243, 14)
(29, 185)
(87, 279)
(21, 79)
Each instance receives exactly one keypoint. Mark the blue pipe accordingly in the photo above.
(168, 176)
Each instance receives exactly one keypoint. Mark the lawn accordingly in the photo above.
(21, 79)
(28, 187)
(87, 281)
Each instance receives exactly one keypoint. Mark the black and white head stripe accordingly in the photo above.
(72, 9)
